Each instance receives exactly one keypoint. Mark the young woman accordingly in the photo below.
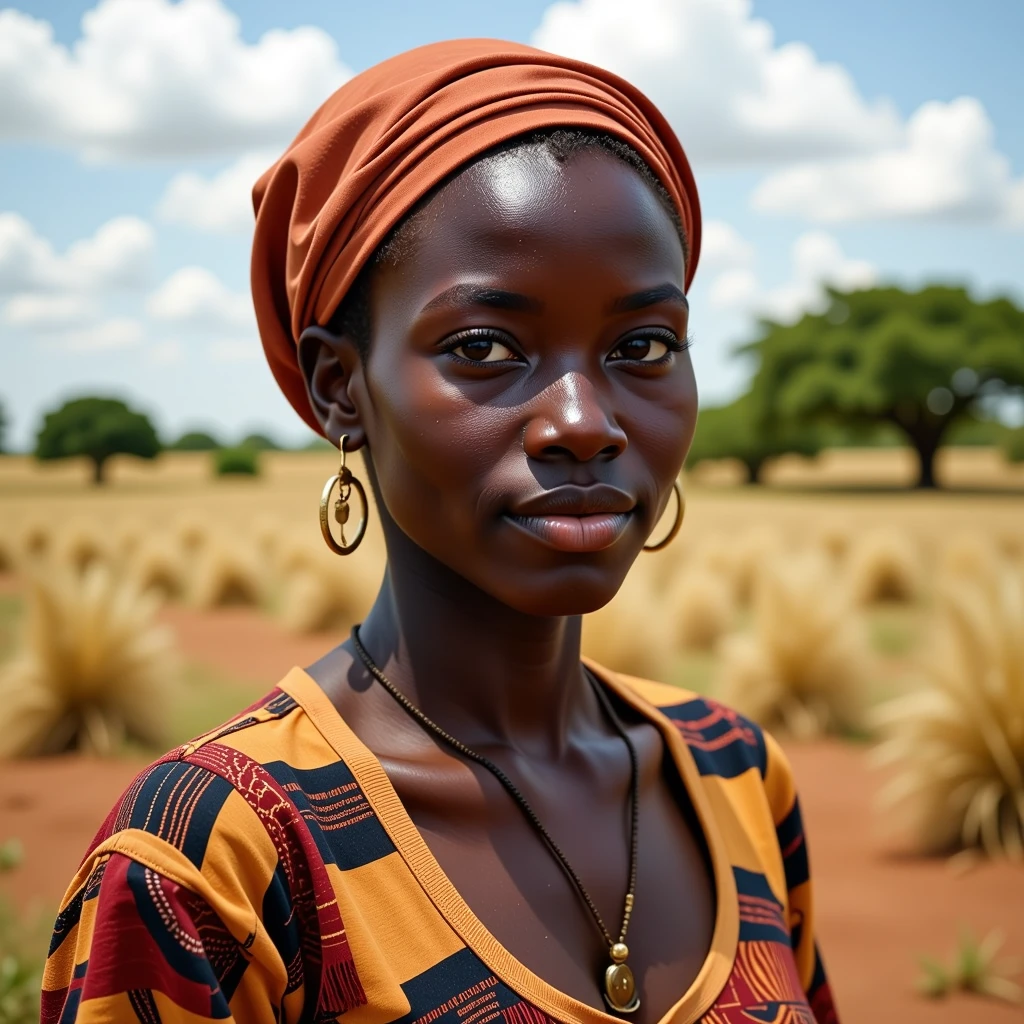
(471, 266)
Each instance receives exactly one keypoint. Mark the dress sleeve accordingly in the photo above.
(133, 945)
(178, 915)
(789, 829)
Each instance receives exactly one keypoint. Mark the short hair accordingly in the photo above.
(352, 317)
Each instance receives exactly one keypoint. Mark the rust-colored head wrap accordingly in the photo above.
(392, 133)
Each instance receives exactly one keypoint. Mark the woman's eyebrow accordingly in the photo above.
(650, 297)
(461, 295)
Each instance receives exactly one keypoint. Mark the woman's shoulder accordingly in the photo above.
(228, 795)
(722, 741)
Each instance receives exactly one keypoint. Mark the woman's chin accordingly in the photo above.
(559, 593)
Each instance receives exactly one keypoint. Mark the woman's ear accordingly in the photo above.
(330, 363)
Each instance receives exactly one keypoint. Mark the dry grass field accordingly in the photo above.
(834, 606)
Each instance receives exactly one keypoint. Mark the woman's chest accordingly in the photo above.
(558, 927)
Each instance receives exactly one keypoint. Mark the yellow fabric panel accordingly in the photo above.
(778, 780)
(744, 820)
(802, 908)
(74, 950)
(116, 1009)
(171, 1013)
(240, 857)
(292, 739)
(661, 695)
(411, 934)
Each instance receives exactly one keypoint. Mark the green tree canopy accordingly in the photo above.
(97, 428)
(195, 441)
(917, 360)
(734, 432)
(260, 443)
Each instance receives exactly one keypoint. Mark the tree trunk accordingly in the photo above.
(926, 459)
(98, 467)
(754, 467)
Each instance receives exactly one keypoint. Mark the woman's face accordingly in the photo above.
(527, 399)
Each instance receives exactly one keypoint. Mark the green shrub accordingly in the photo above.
(260, 442)
(1013, 445)
(22, 952)
(240, 461)
(195, 441)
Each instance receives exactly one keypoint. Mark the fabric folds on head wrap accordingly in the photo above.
(392, 133)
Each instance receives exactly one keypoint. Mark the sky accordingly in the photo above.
(833, 144)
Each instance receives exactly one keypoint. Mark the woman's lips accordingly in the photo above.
(578, 533)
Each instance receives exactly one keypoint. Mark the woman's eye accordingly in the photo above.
(484, 350)
(642, 350)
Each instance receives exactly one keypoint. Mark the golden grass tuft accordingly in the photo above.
(8, 556)
(191, 534)
(835, 538)
(319, 599)
(753, 549)
(129, 540)
(227, 574)
(94, 670)
(970, 558)
(79, 546)
(803, 669)
(700, 604)
(626, 635)
(957, 744)
(884, 565)
(160, 567)
(35, 541)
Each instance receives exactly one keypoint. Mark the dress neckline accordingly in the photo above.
(380, 793)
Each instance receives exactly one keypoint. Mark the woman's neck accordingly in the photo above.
(486, 673)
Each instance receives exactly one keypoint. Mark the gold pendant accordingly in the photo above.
(619, 983)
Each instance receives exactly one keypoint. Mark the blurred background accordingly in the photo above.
(851, 569)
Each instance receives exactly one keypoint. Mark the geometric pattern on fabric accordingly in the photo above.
(722, 741)
(339, 817)
(223, 888)
(461, 988)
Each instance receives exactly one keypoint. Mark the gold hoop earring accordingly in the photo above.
(345, 481)
(677, 489)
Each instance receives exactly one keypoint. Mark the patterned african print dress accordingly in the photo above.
(267, 872)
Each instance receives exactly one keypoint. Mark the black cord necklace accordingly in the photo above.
(619, 985)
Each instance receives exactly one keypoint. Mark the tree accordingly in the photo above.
(917, 360)
(3, 427)
(735, 432)
(98, 428)
(260, 443)
(195, 441)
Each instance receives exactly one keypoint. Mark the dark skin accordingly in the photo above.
(519, 468)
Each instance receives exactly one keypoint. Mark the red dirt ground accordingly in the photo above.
(877, 911)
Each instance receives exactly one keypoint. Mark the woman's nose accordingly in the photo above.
(571, 420)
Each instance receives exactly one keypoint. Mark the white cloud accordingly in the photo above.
(732, 95)
(222, 203)
(818, 262)
(195, 296)
(120, 332)
(44, 312)
(155, 79)
(167, 353)
(117, 256)
(722, 248)
(947, 166)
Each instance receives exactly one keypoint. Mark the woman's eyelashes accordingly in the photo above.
(651, 345)
(484, 346)
(481, 345)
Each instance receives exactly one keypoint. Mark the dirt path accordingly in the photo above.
(877, 911)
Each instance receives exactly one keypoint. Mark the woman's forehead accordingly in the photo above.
(528, 206)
